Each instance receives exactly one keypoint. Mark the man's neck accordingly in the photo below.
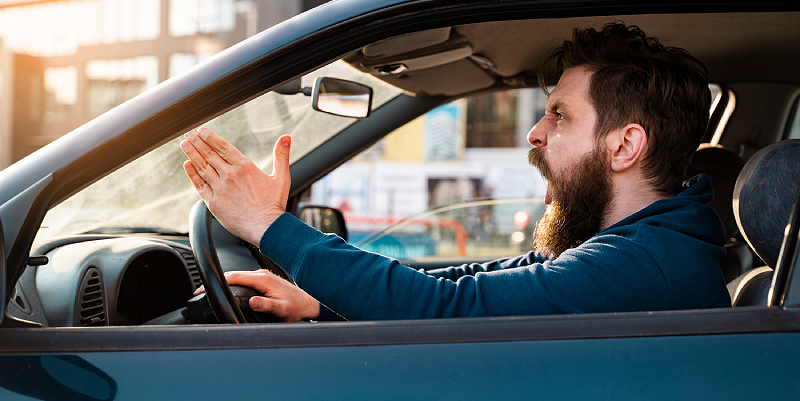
(631, 194)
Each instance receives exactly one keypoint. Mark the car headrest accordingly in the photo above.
(723, 166)
(763, 197)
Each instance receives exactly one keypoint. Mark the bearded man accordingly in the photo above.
(622, 231)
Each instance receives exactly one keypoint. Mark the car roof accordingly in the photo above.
(451, 61)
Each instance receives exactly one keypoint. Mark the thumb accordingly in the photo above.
(260, 304)
(280, 164)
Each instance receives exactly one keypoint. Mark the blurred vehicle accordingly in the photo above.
(469, 231)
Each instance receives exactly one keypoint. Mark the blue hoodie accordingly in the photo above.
(663, 257)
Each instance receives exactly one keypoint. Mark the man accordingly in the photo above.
(621, 232)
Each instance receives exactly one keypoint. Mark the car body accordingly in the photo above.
(748, 352)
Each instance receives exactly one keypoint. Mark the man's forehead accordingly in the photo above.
(572, 87)
(560, 99)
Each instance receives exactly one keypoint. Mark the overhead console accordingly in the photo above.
(434, 62)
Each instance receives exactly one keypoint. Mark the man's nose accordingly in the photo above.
(537, 136)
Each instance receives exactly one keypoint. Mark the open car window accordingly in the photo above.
(453, 183)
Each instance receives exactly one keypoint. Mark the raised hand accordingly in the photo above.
(243, 198)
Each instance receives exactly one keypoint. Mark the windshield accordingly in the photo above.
(153, 194)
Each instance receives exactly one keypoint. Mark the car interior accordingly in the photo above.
(100, 279)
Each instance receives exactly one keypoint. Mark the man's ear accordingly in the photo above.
(627, 146)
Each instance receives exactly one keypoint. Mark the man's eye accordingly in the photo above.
(560, 116)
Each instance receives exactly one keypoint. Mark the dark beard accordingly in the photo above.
(580, 201)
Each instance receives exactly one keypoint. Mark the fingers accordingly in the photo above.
(258, 280)
(192, 147)
(219, 146)
(199, 290)
(210, 150)
(281, 298)
(199, 183)
(259, 304)
(253, 279)
(261, 281)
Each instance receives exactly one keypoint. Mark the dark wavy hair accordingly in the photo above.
(638, 80)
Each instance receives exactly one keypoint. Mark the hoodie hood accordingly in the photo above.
(687, 213)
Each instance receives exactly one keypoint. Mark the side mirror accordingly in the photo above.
(325, 219)
(341, 97)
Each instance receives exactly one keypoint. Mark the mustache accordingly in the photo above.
(536, 159)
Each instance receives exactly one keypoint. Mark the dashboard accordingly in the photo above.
(105, 280)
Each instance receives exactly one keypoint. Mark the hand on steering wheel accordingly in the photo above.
(253, 296)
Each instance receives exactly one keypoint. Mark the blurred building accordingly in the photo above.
(65, 62)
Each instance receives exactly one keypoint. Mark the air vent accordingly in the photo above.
(191, 265)
(92, 299)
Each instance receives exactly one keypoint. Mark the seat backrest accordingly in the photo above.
(723, 166)
(751, 288)
(762, 201)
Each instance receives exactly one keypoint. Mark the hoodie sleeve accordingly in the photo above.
(454, 273)
(608, 274)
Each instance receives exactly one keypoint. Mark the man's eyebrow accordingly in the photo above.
(558, 104)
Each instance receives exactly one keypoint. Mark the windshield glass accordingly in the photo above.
(153, 194)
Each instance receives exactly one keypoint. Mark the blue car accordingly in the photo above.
(99, 260)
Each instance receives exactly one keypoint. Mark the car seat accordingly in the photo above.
(723, 166)
(762, 202)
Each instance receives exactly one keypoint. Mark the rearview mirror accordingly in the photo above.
(292, 88)
(341, 97)
(325, 219)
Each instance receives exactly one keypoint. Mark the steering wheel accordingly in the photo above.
(218, 292)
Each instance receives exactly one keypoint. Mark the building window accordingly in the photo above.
(182, 62)
(61, 92)
(112, 82)
(503, 119)
(189, 17)
(59, 28)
